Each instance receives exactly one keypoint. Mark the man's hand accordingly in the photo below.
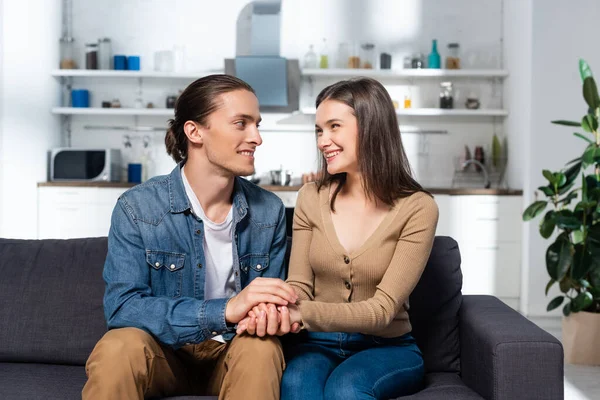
(268, 320)
(260, 290)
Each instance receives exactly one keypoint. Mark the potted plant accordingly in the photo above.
(571, 214)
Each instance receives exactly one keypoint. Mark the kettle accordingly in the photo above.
(280, 177)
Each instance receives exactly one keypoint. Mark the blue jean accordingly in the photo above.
(324, 365)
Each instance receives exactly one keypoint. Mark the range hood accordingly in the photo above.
(275, 79)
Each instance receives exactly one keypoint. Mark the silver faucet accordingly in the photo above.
(486, 178)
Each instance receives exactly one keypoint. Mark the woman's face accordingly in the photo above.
(337, 136)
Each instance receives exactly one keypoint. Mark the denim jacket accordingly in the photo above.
(154, 270)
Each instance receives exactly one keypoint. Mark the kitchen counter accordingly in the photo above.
(277, 188)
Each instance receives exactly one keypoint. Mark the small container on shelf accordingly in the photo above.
(418, 60)
(324, 55)
(453, 58)
(368, 56)
(342, 55)
(385, 61)
(354, 58)
(91, 56)
(310, 58)
(407, 101)
(104, 53)
(67, 51)
(446, 95)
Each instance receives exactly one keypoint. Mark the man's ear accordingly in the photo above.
(193, 131)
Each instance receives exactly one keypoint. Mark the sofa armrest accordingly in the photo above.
(506, 356)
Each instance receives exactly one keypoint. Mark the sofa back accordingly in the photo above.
(434, 306)
(51, 302)
(51, 299)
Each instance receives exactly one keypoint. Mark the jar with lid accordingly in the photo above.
(418, 60)
(104, 53)
(67, 59)
(368, 56)
(446, 95)
(453, 58)
(91, 56)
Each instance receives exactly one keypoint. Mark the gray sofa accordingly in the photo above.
(51, 317)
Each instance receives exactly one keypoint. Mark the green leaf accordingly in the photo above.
(534, 210)
(589, 123)
(565, 188)
(566, 309)
(574, 160)
(549, 176)
(584, 186)
(560, 179)
(584, 69)
(591, 153)
(567, 199)
(557, 301)
(566, 123)
(577, 236)
(584, 283)
(590, 93)
(582, 301)
(559, 257)
(566, 220)
(549, 285)
(547, 225)
(565, 285)
(595, 277)
(582, 262)
(572, 172)
(587, 139)
(593, 195)
(547, 190)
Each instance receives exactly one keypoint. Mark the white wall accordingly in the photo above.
(562, 32)
(30, 32)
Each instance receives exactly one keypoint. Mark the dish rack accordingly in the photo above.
(472, 175)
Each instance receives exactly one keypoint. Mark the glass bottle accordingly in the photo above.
(434, 60)
(324, 59)
(67, 59)
(453, 58)
(407, 101)
(368, 56)
(104, 53)
(310, 58)
(342, 56)
(91, 56)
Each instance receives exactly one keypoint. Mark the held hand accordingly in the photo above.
(263, 320)
(260, 290)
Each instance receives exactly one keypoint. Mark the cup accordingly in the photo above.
(120, 62)
(80, 98)
(134, 173)
(133, 63)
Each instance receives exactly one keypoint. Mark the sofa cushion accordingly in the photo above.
(51, 299)
(41, 381)
(434, 306)
(444, 385)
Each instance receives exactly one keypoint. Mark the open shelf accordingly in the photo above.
(99, 73)
(409, 73)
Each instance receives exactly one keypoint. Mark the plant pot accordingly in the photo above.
(580, 333)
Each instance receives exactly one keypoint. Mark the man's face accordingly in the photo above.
(231, 135)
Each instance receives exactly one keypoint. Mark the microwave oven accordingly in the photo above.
(71, 164)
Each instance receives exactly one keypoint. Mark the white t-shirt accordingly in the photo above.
(219, 281)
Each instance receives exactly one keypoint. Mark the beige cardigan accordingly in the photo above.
(366, 291)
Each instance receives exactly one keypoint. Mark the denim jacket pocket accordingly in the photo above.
(166, 274)
(254, 264)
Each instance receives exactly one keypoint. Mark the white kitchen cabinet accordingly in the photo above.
(488, 231)
(74, 212)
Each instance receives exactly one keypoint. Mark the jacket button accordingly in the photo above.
(259, 267)
(197, 231)
(214, 333)
(199, 265)
(172, 266)
(157, 264)
(346, 260)
(348, 286)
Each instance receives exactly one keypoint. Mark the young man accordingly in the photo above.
(189, 255)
